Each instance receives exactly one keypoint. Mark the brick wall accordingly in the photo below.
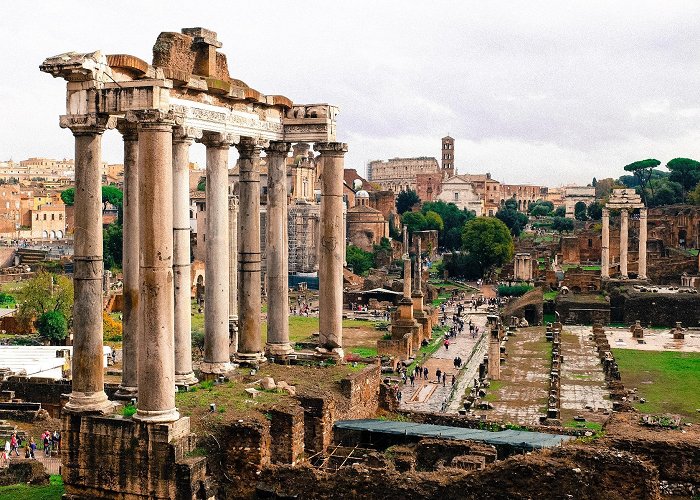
(362, 391)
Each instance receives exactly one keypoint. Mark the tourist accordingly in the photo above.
(14, 444)
(447, 344)
(46, 437)
(413, 379)
(444, 378)
(32, 447)
(56, 440)
(438, 374)
(454, 379)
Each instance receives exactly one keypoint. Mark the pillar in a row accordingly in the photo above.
(156, 371)
(232, 274)
(216, 292)
(642, 268)
(624, 233)
(277, 251)
(417, 294)
(332, 250)
(128, 388)
(182, 140)
(249, 294)
(605, 246)
(88, 393)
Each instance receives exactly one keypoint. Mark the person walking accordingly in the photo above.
(444, 378)
(413, 380)
(47, 443)
(454, 379)
(32, 448)
(14, 444)
(425, 372)
(438, 374)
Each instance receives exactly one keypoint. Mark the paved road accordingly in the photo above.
(429, 395)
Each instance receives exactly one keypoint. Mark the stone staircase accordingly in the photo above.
(6, 431)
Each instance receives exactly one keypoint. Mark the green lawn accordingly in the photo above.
(668, 381)
(53, 491)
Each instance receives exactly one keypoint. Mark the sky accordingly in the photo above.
(539, 92)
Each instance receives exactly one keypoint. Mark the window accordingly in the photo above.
(44, 216)
(456, 196)
(53, 216)
(60, 216)
(590, 243)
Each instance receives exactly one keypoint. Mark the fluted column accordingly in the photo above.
(624, 234)
(330, 270)
(88, 393)
(642, 267)
(249, 295)
(605, 246)
(277, 251)
(233, 274)
(130, 263)
(417, 294)
(216, 293)
(156, 371)
(182, 140)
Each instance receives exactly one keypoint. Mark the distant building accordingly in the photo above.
(524, 194)
(399, 174)
(575, 194)
(459, 190)
(448, 156)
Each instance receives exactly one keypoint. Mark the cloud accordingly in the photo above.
(541, 91)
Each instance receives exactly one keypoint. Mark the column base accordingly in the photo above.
(185, 379)
(279, 349)
(216, 368)
(92, 403)
(157, 416)
(250, 358)
(126, 393)
(334, 353)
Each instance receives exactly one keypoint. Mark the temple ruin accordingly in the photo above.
(186, 95)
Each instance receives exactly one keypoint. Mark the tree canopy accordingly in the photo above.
(488, 241)
(562, 224)
(511, 217)
(580, 211)
(52, 325)
(643, 171)
(43, 293)
(414, 221)
(110, 194)
(434, 221)
(360, 260)
(540, 208)
(595, 211)
(453, 218)
(685, 172)
(406, 200)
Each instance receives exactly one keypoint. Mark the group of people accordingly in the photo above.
(50, 440)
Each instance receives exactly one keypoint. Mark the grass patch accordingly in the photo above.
(129, 410)
(550, 295)
(668, 381)
(593, 426)
(492, 390)
(364, 352)
(54, 490)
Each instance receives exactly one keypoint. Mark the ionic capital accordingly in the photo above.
(219, 139)
(277, 148)
(331, 148)
(91, 123)
(249, 148)
(186, 134)
(152, 118)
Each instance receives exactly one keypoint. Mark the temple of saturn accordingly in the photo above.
(160, 109)
(626, 201)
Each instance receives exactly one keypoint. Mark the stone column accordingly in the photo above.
(624, 230)
(277, 252)
(182, 140)
(216, 293)
(128, 387)
(156, 372)
(332, 252)
(233, 274)
(249, 295)
(605, 246)
(642, 267)
(88, 393)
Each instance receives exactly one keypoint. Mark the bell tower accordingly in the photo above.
(448, 156)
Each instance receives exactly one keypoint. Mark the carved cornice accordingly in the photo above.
(219, 139)
(88, 124)
(331, 148)
(278, 148)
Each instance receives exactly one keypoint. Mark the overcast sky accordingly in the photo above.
(534, 92)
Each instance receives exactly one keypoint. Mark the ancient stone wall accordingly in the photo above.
(569, 472)
(362, 393)
(286, 434)
(112, 457)
(319, 415)
(661, 309)
(583, 309)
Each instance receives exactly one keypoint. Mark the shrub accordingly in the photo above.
(513, 291)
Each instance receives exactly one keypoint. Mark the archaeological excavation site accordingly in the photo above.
(275, 325)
